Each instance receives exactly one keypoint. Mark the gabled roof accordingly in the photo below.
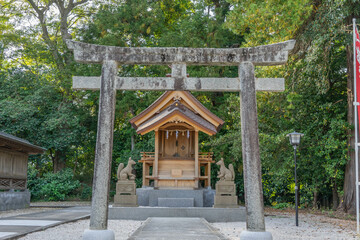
(196, 110)
(177, 113)
(8, 141)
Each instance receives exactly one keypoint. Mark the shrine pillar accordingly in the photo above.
(156, 161)
(196, 158)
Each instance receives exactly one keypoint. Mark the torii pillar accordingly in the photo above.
(179, 58)
(255, 222)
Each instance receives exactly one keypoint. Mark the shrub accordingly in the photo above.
(86, 192)
(281, 206)
(52, 186)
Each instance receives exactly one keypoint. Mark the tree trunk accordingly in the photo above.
(326, 202)
(348, 200)
(315, 201)
(58, 161)
(335, 196)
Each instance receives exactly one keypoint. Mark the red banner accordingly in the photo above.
(357, 72)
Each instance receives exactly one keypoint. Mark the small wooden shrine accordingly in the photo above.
(176, 117)
(14, 153)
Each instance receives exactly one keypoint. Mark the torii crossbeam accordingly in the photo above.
(245, 58)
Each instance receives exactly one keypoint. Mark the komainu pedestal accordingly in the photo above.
(225, 196)
(125, 194)
(125, 187)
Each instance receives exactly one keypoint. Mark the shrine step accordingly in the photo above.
(176, 202)
(156, 228)
(210, 214)
(149, 196)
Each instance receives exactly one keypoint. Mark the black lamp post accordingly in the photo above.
(295, 141)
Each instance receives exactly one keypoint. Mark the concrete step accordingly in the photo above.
(176, 228)
(210, 214)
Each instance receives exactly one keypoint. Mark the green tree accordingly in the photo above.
(33, 108)
(34, 45)
(316, 95)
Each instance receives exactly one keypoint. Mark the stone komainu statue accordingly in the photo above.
(126, 190)
(225, 174)
(225, 196)
(125, 173)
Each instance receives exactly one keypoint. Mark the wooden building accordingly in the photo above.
(14, 153)
(176, 117)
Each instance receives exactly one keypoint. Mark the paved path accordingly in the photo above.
(20, 225)
(176, 228)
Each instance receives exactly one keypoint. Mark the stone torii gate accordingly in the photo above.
(245, 58)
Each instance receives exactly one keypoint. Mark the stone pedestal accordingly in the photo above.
(125, 194)
(225, 196)
(251, 235)
(98, 234)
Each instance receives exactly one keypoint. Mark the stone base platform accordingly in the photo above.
(209, 214)
(11, 200)
(152, 197)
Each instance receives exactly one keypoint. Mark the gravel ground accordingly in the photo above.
(73, 231)
(282, 226)
(280, 223)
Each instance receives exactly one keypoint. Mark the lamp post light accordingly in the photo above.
(295, 141)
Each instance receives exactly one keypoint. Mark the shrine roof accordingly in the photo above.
(8, 141)
(193, 105)
(177, 112)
